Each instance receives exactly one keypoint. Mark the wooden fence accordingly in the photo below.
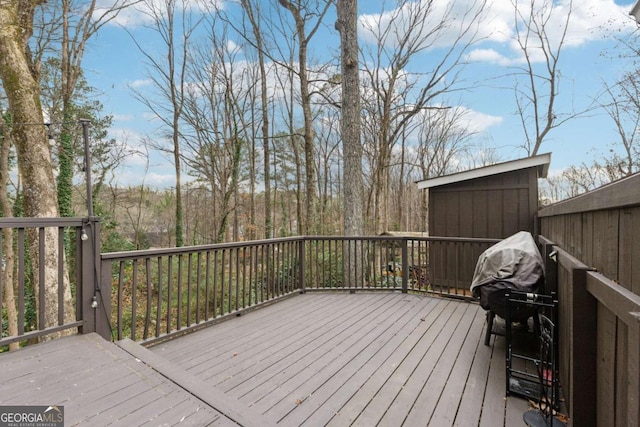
(592, 248)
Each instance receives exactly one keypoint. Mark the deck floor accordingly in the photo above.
(98, 384)
(357, 359)
(315, 359)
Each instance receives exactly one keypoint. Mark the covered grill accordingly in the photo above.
(511, 264)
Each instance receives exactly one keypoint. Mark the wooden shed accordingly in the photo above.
(490, 202)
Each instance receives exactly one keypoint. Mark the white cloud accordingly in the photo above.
(123, 117)
(488, 55)
(437, 23)
(233, 47)
(140, 83)
(141, 13)
(475, 121)
(590, 20)
(160, 180)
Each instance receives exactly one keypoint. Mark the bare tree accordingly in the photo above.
(216, 104)
(289, 146)
(137, 216)
(173, 21)
(538, 79)
(621, 102)
(442, 143)
(623, 107)
(306, 12)
(32, 147)
(393, 92)
(350, 121)
(327, 149)
(443, 140)
(253, 14)
(80, 22)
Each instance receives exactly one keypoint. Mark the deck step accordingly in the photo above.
(230, 407)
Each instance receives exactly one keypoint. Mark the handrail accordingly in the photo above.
(194, 248)
(36, 222)
(619, 300)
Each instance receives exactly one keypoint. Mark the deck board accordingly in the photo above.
(438, 399)
(445, 413)
(358, 359)
(336, 359)
(376, 379)
(95, 381)
(395, 395)
(349, 369)
(311, 342)
(350, 337)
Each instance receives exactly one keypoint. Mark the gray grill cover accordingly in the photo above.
(513, 263)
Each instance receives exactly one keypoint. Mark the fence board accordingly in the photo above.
(633, 416)
(607, 327)
(623, 304)
(622, 370)
(578, 328)
(629, 249)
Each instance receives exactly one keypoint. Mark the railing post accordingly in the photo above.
(302, 244)
(405, 265)
(103, 314)
(550, 265)
(96, 292)
(87, 277)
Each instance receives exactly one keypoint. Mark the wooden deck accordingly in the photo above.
(98, 383)
(337, 359)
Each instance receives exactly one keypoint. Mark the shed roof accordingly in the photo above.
(541, 162)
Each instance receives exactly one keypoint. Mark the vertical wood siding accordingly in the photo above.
(496, 206)
(601, 229)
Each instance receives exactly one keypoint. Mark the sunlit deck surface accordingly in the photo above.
(315, 359)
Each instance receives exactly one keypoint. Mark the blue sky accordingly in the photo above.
(593, 54)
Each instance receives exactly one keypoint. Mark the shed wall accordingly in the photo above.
(496, 206)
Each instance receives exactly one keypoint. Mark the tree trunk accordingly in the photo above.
(350, 124)
(264, 108)
(305, 99)
(350, 130)
(7, 239)
(32, 148)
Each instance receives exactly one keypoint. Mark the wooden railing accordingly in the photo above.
(163, 292)
(155, 294)
(42, 258)
(160, 293)
(440, 265)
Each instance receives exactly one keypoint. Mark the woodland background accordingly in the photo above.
(257, 145)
